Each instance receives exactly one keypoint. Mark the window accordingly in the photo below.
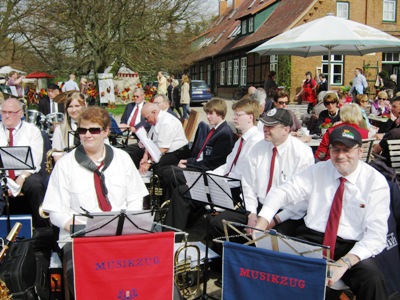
(235, 32)
(251, 24)
(336, 76)
(236, 71)
(273, 63)
(229, 79)
(243, 71)
(389, 10)
(244, 26)
(201, 72)
(391, 58)
(342, 10)
(222, 74)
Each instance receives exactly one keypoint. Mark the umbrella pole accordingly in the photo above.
(329, 68)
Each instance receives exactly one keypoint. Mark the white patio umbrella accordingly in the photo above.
(327, 36)
(4, 71)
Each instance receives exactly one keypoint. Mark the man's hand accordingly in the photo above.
(262, 223)
(144, 167)
(251, 221)
(123, 126)
(182, 164)
(336, 272)
(132, 129)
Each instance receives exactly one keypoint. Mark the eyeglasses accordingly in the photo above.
(344, 150)
(326, 103)
(283, 102)
(382, 98)
(11, 113)
(92, 130)
(237, 115)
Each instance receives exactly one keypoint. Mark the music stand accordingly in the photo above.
(75, 135)
(13, 158)
(218, 191)
(114, 223)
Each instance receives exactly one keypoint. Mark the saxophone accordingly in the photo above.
(11, 237)
(50, 160)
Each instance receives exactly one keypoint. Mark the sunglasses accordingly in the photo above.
(382, 98)
(283, 102)
(329, 102)
(92, 130)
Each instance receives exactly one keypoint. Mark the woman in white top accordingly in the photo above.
(185, 96)
(62, 139)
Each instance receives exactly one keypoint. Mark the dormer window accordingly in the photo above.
(251, 24)
(244, 27)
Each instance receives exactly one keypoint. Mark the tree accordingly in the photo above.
(84, 35)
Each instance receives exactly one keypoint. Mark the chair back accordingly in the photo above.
(367, 149)
(394, 152)
(190, 126)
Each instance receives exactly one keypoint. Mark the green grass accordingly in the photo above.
(118, 110)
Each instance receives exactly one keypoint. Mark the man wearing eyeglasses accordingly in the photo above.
(347, 204)
(163, 103)
(15, 132)
(132, 116)
(167, 134)
(281, 100)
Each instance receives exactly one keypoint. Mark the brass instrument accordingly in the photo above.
(11, 237)
(155, 191)
(4, 291)
(42, 213)
(50, 160)
(187, 278)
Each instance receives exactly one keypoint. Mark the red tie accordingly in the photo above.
(104, 204)
(236, 157)
(333, 220)
(271, 169)
(11, 173)
(135, 113)
(205, 142)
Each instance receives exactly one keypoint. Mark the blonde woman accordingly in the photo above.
(350, 115)
(185, 96)
(62, 139)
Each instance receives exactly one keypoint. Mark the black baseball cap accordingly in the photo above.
(346, 135)
(277, 116)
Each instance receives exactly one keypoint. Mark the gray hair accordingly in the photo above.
(165, 98)
(260, 96)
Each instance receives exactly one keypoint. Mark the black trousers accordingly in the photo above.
(33, 190)
(365, 279)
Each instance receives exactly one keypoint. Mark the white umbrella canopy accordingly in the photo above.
(4, 71)
(327, 36)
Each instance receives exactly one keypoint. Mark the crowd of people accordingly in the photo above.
(326, 195)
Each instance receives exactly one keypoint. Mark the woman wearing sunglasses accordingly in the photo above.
(94, 177)
(65, 137)
(381, 106)
(332, 113)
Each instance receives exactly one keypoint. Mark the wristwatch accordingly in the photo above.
(347, 262)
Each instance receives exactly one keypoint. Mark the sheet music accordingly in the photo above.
(152, 148)
(220, 192)
(17, 158)
(287, 245)
(199, 190)
(105, 224)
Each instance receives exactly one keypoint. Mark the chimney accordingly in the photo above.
(236, 3)
(223, 4)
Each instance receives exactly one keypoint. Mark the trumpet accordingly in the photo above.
(42, 213)
(187, 277)
(155, 191)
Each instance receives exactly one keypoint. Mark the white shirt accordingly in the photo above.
(250, 138)
(365, 204)
(168, 132)
(70, 85)
(53, 106)
(293, 156)
(58, 137)
(138, 118)
(25, 134)
(71, 187)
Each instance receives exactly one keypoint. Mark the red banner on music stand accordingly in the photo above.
(124, 267)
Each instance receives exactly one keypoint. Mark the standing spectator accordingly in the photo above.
(185, 96)
(270, 81)
(170, 88)
(176, 97)
(47, 104)
(84, 86)
(322, 84)
(359, 83)
(15, 80)
(308, 92)
(70, 85)
(392, 83)
(162, 84)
